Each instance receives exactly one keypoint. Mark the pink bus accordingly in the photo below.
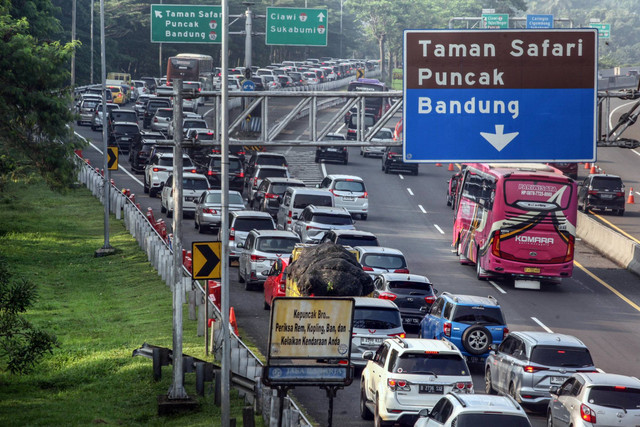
(516, 221)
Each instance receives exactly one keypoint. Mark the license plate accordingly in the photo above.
(532, 270)
(349, 199)
(371, 341)
(557, 380)
(333, 150)
(411, 321)
(607, 196)
(432, 389)
(474, 359)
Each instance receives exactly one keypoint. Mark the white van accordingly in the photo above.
(295, 199)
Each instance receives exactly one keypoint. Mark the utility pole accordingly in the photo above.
(73, 39)
(91, 72)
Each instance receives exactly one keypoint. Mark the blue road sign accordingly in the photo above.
(539, 21)
(500, 95)
(248, 86)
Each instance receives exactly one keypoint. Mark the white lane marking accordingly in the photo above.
(324, 169)
(410, 192)
(636, 152)
(495, 285)
(542, 325)
(614, 110)
(400, 175)
(422, 209)
(341, 127)
(438, 228)
(102, 153)
(207, 112)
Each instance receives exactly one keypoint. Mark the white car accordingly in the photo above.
(349, 193)
(477, 410)
(405, 376)
(158, 169)
(383, 135)
(311, 78)
(193, 185)
(378, 259)
(595, 399)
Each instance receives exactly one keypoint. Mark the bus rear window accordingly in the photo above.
(532, 194)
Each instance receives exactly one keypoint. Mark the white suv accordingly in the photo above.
(193, 185)
(404, 376)
(474, 410)
(158, 169)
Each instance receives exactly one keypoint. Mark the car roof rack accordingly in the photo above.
(401, 342)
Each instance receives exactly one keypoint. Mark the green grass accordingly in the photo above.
(101, 309)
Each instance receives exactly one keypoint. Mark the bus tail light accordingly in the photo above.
(495, 243)
(446, 329)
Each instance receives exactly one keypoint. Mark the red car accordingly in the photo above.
(275, 285)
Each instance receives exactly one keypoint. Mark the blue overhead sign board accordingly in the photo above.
(500, 95)
(539, 21)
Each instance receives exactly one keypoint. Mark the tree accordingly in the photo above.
(22, 345)
(34, 100)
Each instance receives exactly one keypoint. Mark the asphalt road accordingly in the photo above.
(600, 304)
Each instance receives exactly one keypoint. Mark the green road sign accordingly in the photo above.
(604, 30)
(495, 21)
(290, 26)
(173, 23)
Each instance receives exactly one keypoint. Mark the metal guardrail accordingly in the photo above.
(246, 367)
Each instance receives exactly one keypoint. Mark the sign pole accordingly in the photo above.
(224, 226)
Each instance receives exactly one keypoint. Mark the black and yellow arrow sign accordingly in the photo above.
(112, 161)
(360, 73)
(206, 260)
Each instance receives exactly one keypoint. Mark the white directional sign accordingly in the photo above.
(500, 95)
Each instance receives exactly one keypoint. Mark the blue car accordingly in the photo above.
(471, 323)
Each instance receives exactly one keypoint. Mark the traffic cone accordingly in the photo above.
(232, 321)
(450, 167)
(593, 169)
(586, 166)
(439, 165)
(631, 200)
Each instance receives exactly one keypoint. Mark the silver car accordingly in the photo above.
(526, 364)
(260, 249)
(315, 221)
(349, 193)
(378, 259)
(162, 118)
(374, 320)
(241, 223)
(209, 208)
(96, 122)
(595, 399)
(383, 135)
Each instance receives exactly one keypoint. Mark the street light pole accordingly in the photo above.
(341, 36)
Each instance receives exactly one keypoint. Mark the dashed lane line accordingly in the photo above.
(410, 192)
(542, 325)
(495, 285)
(422, 209)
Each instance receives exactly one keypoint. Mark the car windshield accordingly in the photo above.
(574, 357)
(615, 396)
(350, 185)
(277, 245)
(234, 198)
(439, 364)
(405, 287)
(301, 201)
(332, 219)
(248, 224)
(491, 420)
(376, 318)
(357, 241)
(385, 261)
(195, 184)
(602, 183)
(478, 315)
(271, 161)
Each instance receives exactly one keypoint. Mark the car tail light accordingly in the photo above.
(365, 268)
(593, 193)
(158, 169)
(212, 173)
(620, 194)
(587, 414)
(270, 196)
(364, 195)
(446, 329)
(155, 120)
(387, 295)
(283, 284)
(463, 387)
(255, 181)
(258, 258)
(232, 234)
(209, 211)
(397, 385)
(311, 227)
(192, 171)
(402, 270)
(399, 335)
(505, 332)
(531, 369)
(241, 174)
(430, 299)
(289, 216)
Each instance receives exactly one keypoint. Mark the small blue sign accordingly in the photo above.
(540, 21)
(248, 86)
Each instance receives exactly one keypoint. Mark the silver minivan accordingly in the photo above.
(349, 192)
(295, 199)
(241, 223)
(374, 320)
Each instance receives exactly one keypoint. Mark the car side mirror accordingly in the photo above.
(368, 355)
(554, 390)
(423, 413)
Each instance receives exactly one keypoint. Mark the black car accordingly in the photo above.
(121, 115)
(262, 158)
(235, 169)
(352, 124)
(123, 135)
(151, 107)
(259, 82)
(270, 191)
(392, 161)
(412, 293)
(602, 191)
(337, 153)
(140, 154)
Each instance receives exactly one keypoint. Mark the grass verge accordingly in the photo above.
(101, 309)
